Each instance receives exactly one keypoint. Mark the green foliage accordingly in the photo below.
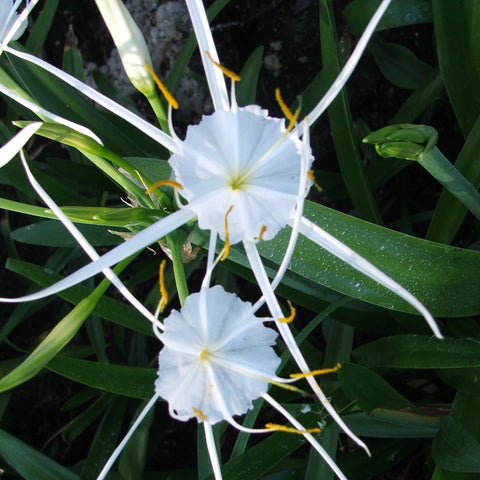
(396, 380)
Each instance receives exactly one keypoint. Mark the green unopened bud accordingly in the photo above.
(130, 43)
(406, 141)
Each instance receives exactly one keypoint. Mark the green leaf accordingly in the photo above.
(454, 449)
(444, 278)
(63, 332)
(399, 65)
(106, 439)
(382, 423)
(259, 459)
(420, 99)
(369, 390)
(131, 463)
(462, 379)
(450, 212)
(40, 29)
(246, 89)
(457, 34)
(153, 168)
(29, 463)
(399, 14)
(107, 308)
(52, 233)
(55, 341)
(133, 382)
(80, 423)
(55, 95)
(419, 351)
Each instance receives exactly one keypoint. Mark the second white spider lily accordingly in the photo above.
(217, 358)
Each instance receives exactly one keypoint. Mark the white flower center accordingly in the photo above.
(245, 159)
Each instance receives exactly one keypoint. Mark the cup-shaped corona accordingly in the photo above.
(130, 43)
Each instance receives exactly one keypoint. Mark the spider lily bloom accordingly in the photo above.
(217, 358)
(130, 44)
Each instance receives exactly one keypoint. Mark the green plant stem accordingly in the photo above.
(442, 170)
(174, 243)
(159, 111)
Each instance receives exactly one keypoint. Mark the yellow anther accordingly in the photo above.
(291, 117)
(322, 371)
(163, 291)
(170, 183)
(169, 97)
(199, 413)
(311, 176)
(291, 317)
(226, 248)
(229, 73)
(284, 428)
(263, 229)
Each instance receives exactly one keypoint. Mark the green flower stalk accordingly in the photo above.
(418, 143)
(130, 43)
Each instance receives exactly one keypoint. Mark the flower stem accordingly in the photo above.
(159, 111)
(442, 170)
(175, 242)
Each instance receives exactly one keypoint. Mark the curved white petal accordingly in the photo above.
(84, 244)
(125, 440)
(340, 250)
(139, 241)
(13, 25)
(16, 143)
(105, 102)
(215, 78)
(274, 307)
(349, 67)
(45, 114)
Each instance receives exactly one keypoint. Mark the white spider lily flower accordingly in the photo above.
(130, 44)
(232, 159)
(12, 24)
(216, 359)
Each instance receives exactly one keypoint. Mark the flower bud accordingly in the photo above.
(406, 141)
(130, 43)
